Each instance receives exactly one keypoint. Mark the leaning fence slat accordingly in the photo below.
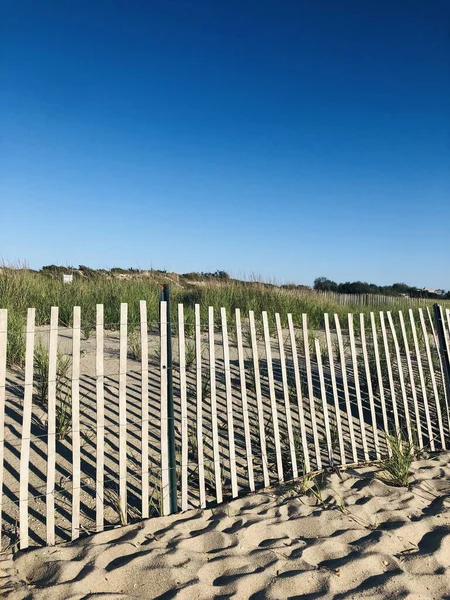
(100, 395)
(379, 374)
(229, 396)
(445, 360)
(422, 380)
(390, 374)
(215, 431)
(199, 400)
(51, 427)
(245, 415)
(357, 386)
(411, 379)
(123, 344)
(311, 390)
(259, 402)
(165, 492)
(433, 377)
(273, 400)
(298, 388)
(3, 334)
(400, 375)
(184, 418)
(144, 410)
(345, 386)
(76, 441)
(369, 386)
(287, 404)
(323, 393)
(26, 429)
(334, 388)
(441, 363)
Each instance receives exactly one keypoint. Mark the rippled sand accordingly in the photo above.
(356, 538)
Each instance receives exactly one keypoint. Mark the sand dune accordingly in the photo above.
(357, 537)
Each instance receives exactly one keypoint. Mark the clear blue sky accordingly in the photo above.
(291, 139)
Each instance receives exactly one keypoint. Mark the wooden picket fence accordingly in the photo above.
(258, 400)
(374, 300)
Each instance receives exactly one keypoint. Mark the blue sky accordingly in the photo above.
(289, 139)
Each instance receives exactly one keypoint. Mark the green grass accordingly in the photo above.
(398, 464)
(21, 289)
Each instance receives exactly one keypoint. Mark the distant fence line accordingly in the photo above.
(374, 300)
(255, 404)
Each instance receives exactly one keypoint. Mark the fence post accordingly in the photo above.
(165, 297)
(443, 343)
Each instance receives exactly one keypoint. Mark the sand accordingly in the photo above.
(357, 538)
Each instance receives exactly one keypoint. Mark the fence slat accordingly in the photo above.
(215, 431)
(311, 390)
(76, 441)
(259, 402)
(3, 346)
(441, 363)
(100, 395)
(245, 415)
(357, 386)
(165, 492)
(298, 388)
(199, 399)
(422, 380)
(400, 375)
(144, 410)
(229, 396)
(184, 417)
(390, 374)
(323, 393)
(51, 427)
(273, 400)
(287, 403)
(123, 410)
(334, 388)
(369, 386)
(433, 377)
(26, 429)
(345, 386)
(379, 375)
(411, 379)
(445, 361)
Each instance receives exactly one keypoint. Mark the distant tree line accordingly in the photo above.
(361, 287)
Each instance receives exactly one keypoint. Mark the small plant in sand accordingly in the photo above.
(134, 344)
(398, 464)
(41, 368)
(112, 499)
(334, 434)
(87, 328)
(155, 507)
(189, 354)
(307, 480)
(63, 414)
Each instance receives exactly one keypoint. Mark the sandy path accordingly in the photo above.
(364, 540)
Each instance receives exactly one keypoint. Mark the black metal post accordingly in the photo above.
(443, 347)
(165, 296)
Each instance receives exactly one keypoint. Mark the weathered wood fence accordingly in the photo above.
(259, 399)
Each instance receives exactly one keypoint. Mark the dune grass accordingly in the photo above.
(21, 289)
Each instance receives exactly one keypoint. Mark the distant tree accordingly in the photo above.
(355, 287)
(324, 284)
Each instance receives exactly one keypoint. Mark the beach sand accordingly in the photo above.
(354, 537)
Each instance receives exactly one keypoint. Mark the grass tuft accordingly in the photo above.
(397, 466)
